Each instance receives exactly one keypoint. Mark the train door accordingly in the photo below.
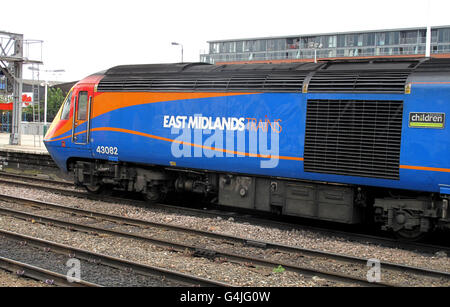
(82, 117)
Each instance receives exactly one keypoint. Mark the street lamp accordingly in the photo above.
(55, 71)
(315, 46)
(428, 38)
(178, 44)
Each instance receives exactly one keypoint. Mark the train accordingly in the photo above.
(357, 141)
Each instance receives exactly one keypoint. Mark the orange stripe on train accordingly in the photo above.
(195, 145)
(105, 102)
(424, 168)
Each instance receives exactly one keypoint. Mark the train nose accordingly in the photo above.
(49, 131)
(62, 116)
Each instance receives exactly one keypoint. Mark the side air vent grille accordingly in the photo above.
(353, 137)
(358, 82)
(434, 65)
(197, 83)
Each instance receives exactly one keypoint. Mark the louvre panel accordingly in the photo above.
(353, 137)
(192, 83)
(434, 65)
(338, 76)
(358, 82)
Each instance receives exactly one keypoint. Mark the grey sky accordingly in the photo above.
(84, 37)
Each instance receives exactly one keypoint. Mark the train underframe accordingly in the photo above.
(408, 214)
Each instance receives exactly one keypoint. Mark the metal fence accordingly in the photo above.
(35, 129)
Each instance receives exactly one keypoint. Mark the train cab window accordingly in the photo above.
(66, 109)
(82, 106)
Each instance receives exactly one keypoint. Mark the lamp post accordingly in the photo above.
(55, 71)
(315, 46)
(428, 38)
(178, 44)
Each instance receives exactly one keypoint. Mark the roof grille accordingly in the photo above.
(358, 82)
(353, 137)
(197, 83)
(434, 65)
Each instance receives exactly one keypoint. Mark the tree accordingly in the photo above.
(54, 100)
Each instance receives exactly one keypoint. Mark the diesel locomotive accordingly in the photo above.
(349, 141)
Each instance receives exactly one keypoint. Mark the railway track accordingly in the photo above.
(158, 276)
(243, 217)
(122, 226)
(36, 179)
(37, 273)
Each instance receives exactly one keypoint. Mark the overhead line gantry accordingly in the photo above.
(12, 59)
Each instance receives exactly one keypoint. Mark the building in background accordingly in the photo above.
(409, 42)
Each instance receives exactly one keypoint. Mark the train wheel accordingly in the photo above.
(154, 195)
(94, 189)
(410, 234)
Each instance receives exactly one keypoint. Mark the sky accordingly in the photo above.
(83, 37)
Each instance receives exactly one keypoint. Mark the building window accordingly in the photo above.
(276, 44)
(381, 39)
(281, 44)
(292, 43)
(329, 41)
(434, 36)
(227, 47)
(239, 46)
(408, 37)
(247, 46)
(371, 39)
(341, 41)
(304, 42)
(262, 45)
(408, 42)
(394, 38)
(230, 47)
(214, 48)
(444, 36)
(360, 40)
(350, 40)
(422, 36)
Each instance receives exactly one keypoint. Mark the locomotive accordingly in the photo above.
(348, 141)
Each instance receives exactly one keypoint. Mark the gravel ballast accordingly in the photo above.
(229, 246)
(295, 237)
(136, 250)
(8, 279)
(91, 272)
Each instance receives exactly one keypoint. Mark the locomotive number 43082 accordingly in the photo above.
(107, 150)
